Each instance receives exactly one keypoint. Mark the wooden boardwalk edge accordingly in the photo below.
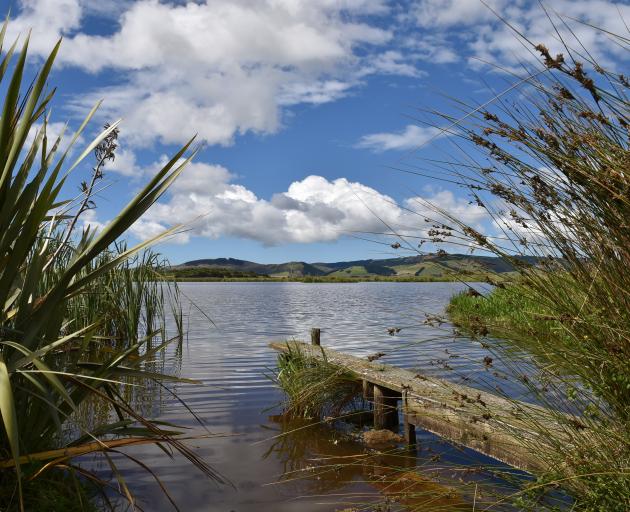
(487, 423)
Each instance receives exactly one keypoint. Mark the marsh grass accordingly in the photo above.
(587, 450)
(550, 166)
(56, 491)
(315, 388)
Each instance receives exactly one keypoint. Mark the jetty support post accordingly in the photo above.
(385, 408)
(316, 336)
(368, 390)
(409, 429)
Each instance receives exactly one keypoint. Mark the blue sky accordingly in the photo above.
(301, 106)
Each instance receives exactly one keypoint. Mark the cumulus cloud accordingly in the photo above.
(211, 204)
(53, 132)
(47, 19)
(411, 137)
(448, 13)
(446, 201)
(432, 48)
(315, 93)
(471, 29)
(124, 164)
(216, 68)
(89, 219)
(220, 68)
(392, 62)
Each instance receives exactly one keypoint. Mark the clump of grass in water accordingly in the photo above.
(555, 181)
(315, 388)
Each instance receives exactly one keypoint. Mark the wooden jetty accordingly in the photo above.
(504, 429)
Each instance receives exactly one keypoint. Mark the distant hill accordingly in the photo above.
(295, 268)
(431, 266)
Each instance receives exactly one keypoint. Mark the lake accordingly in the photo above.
(300, 471)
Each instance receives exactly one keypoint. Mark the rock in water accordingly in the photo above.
(379, 438)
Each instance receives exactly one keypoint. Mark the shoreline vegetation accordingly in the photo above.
(554, 178)
(83, 332)
(500, 312)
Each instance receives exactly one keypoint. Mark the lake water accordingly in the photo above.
(301, 471)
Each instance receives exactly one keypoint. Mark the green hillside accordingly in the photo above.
(421, 267)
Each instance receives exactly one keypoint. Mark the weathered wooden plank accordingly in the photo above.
(503, 429)
(379, 407)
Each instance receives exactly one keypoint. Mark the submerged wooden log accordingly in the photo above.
(504, 429)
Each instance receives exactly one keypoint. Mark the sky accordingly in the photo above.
(305, 111)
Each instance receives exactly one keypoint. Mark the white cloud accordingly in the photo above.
(471, 29)
(315, 92)
(448, 13)
(124, 164)
(411, 137)
(90, 220)
(47, 19)
(53, 131)
(216, 68)
(393, 62)
(453, 206)
(207, 200)
(221, 68)
(432, 48)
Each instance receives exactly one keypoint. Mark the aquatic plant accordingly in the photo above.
(82, 314)
(315, 388)
(550, 167)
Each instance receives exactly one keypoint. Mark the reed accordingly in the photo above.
(83, 316)
(315, 389)
(550, 167)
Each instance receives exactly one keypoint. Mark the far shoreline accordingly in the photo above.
(324, 280)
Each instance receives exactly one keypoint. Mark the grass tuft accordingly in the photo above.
(316, 389)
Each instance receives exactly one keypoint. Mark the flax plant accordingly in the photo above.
(83, 316)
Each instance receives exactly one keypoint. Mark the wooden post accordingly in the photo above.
(315, 336)
(409, 429)
(379, 408)
(385, 407)
(392, 404)
(368, 390)
(409, 432)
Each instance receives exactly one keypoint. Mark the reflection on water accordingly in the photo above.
(328, 464)
(311, 469)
